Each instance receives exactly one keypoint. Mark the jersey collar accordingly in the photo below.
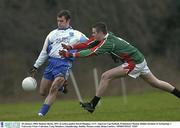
(106, 35)
(65, 28)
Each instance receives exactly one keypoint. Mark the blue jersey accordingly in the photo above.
(58, 65)
(52, 44)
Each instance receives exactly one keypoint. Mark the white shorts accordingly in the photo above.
(139, 69)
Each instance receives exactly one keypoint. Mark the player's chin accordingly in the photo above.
(61, 27)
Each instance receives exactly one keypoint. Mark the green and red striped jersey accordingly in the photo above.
(113, 45)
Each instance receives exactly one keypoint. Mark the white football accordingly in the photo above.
(29, 84)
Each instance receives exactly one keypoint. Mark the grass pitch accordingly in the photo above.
(155, 106)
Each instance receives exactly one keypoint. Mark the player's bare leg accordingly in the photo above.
(152, 80)
(106, 78)
(50, 99)
(155, 82)
(54, 90)
(45, 86)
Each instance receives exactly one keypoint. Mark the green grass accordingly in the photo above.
(145, 107)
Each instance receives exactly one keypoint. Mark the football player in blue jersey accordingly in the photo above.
(57, 69)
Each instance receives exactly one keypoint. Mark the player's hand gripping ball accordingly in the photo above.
(29, 84)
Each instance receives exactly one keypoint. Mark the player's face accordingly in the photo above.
(62, 22)
(97, 35)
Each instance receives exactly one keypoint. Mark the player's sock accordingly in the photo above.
(95, 101)
(44, 109)
(176, 92)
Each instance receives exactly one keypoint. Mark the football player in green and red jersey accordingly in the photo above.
(134, 63)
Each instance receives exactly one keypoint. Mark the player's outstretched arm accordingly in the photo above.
(81, 54)
(84, 45)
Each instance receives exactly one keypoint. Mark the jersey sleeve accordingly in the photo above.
(102, 48)
(77, 38)
(91, 42)
(84, 53)
(43, 54)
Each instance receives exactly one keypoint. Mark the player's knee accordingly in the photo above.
(56, 84)
(54, 88)
(105, 76)
(43, 93)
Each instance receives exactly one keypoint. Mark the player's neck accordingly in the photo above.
(64, 28)
(104, 36)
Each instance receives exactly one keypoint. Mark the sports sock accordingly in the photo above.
(95, 101)
(44, 109)
(176, 92)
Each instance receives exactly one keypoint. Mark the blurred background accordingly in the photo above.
(153, 26)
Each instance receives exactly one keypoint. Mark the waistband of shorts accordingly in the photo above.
(53, 59)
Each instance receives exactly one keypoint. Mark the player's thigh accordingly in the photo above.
(45, 85)
(115, 72)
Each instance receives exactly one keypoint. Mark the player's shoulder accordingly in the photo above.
(76, 32)
(53, 32)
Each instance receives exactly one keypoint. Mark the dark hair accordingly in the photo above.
(100, 27)
(65, 13)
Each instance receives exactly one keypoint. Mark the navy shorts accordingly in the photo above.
(57, 67)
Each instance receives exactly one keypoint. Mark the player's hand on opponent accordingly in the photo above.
(32, 71)
(68, 47)
(65, 54)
